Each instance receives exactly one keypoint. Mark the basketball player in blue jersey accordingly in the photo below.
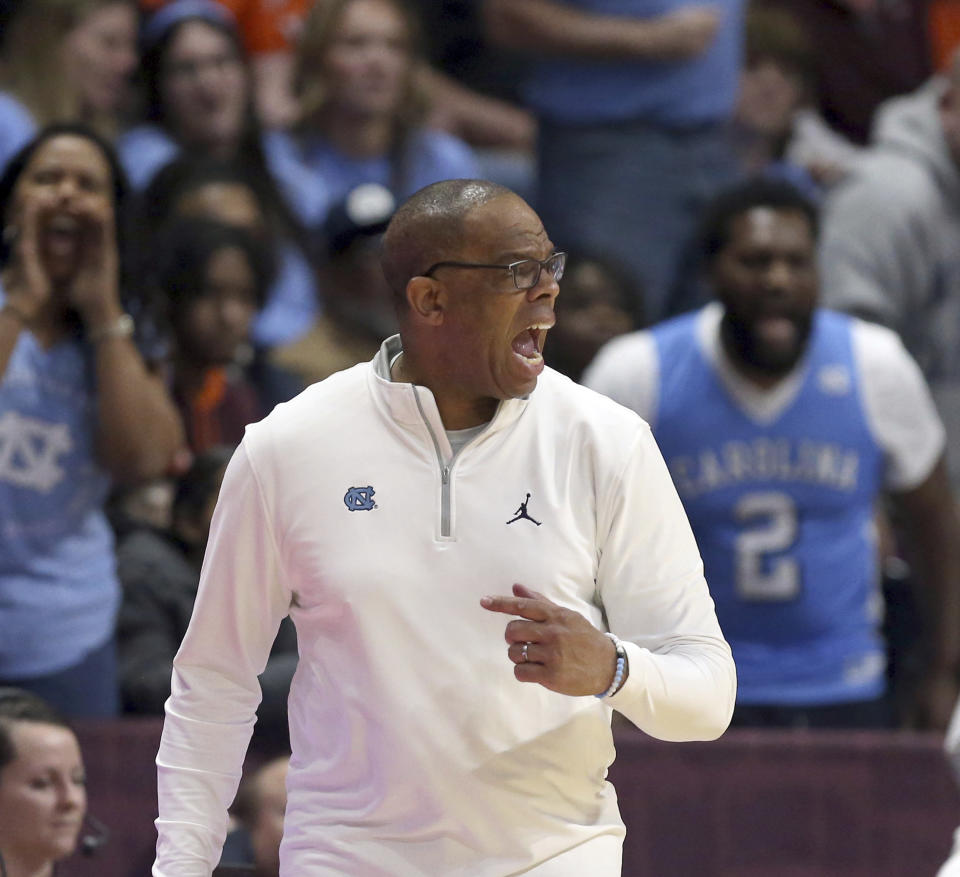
(783, 424)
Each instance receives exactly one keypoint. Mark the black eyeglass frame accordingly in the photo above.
(512, 268)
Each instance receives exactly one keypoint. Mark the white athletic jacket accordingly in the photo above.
(416, 753)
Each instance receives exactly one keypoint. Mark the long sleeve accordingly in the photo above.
(682, 681)
(215, 693)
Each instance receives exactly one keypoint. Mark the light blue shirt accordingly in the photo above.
(675, 94)
(145, 149)
(17, 127)
(431, 156)
(59, 591)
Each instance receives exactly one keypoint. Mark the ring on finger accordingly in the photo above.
(524, 657)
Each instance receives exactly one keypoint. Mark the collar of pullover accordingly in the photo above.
(410, 404)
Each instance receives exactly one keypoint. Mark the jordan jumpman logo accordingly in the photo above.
(522, 513)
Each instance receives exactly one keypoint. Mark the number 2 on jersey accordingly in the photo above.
(770, 524)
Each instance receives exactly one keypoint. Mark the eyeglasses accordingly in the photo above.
(526, 272)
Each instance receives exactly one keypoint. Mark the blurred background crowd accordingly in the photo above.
(192, 194)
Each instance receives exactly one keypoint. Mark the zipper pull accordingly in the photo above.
(445, 474)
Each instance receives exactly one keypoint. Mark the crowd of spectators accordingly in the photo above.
(192, 194)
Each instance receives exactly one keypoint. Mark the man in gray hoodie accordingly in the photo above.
(890, 249)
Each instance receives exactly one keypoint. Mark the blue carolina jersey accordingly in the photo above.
(59, 591)
(783, 514)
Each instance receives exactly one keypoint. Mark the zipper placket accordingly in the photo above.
(445, 469)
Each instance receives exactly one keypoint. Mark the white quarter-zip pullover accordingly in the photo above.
(416, 753)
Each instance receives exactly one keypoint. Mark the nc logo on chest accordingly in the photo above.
(360, 499)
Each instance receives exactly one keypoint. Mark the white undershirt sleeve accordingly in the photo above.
(900, 410)
(682, 681)
(627, 370)
(215, 692)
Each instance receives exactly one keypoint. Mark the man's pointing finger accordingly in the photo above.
(534, 610)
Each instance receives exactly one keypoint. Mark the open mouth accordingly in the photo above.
(776, 328)
(61, 235)
(528, 344)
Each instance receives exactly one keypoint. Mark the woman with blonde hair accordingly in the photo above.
(64, 61)
(361, 111)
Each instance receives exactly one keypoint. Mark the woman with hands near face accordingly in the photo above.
(62, 242)
(79, 411)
